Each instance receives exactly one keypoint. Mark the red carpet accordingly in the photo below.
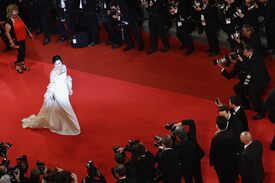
(117, 96)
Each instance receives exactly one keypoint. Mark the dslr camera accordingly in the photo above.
(4, 147)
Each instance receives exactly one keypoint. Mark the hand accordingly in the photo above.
(177, 124)
(172, 10)
(120, 150)
(198, 9)
(74, 177)
(31, 36)
(237, 39)
(220, 65)
(115, 16)
(71, 92)
(17, 176)
(59, 169)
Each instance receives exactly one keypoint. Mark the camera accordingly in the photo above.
(4, 147)
(225, 60)
(41, 167)
(158, 141)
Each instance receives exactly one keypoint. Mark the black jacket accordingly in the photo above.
(269, 106)
(241, 115)
(222, 151)
(252, 170)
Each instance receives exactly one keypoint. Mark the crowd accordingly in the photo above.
(241, 20)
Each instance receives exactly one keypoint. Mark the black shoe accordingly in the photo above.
(211, 54)
(127, 48)
(61, 39)
(141, 48)
(108, 42)
(258, 116)
(165, 49)
(46, 41)
(189, 52)
(115, 46)
(92, 44)
(151, 51)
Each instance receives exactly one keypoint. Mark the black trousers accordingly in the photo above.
(193, 173)
(43, 11)
(211, 31)
(21, 51)
(158, 27)
(226, 175)
(134, 29)
(91, 26)
(184, 34)
(270, 38)
(250, 95)
(65, 23)
(110, 28)
(4, 38)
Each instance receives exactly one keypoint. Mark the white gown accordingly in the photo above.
(56, 113)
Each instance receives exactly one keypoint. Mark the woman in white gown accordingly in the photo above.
(56, 113)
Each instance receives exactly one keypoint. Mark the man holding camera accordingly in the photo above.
(169, 161)
(253, 79)
(190, 152)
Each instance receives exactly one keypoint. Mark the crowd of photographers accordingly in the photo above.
(241, 20)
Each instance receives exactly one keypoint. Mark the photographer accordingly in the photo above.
(93, 174)
(169, 161)
(158, 21)
(250, 37)
(4, 176)
(229, 21)
(142, 161)
(190, 152)
(120, 172)
(185, 25)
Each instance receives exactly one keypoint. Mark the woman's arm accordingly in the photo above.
(8, 29)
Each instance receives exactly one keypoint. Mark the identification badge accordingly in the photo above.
(179, 24)
(203, 20)
(227, 21)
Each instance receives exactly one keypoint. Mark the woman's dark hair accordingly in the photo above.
(55, 58)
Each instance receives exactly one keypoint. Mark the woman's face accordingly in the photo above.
(57, 64)
(14, 14)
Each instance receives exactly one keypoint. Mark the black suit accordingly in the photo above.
(241, 115)
(88, 13)
(185, 24)
(223, 156)
(259, 80)
(269, 106)
(145, 166)
(43, 8)
(252, 170)
(128, 180)
(158, 19)
(169, 166)
(210, 14)
(190, 154)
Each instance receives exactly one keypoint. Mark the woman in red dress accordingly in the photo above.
(16, 32)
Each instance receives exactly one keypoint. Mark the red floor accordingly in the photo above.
(117, 96)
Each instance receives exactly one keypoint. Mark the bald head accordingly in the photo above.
(246, 137)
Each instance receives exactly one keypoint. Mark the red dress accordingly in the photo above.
(19, 29)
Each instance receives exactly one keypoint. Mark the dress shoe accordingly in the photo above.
(108, 42)
(151, 51)
(141, 48)
(165, 49)
(61, 39)
(189, 52)
(127, 48)
(91, 44)
(258, 116)
(211, 54)
(115, 46)
(46, 41)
